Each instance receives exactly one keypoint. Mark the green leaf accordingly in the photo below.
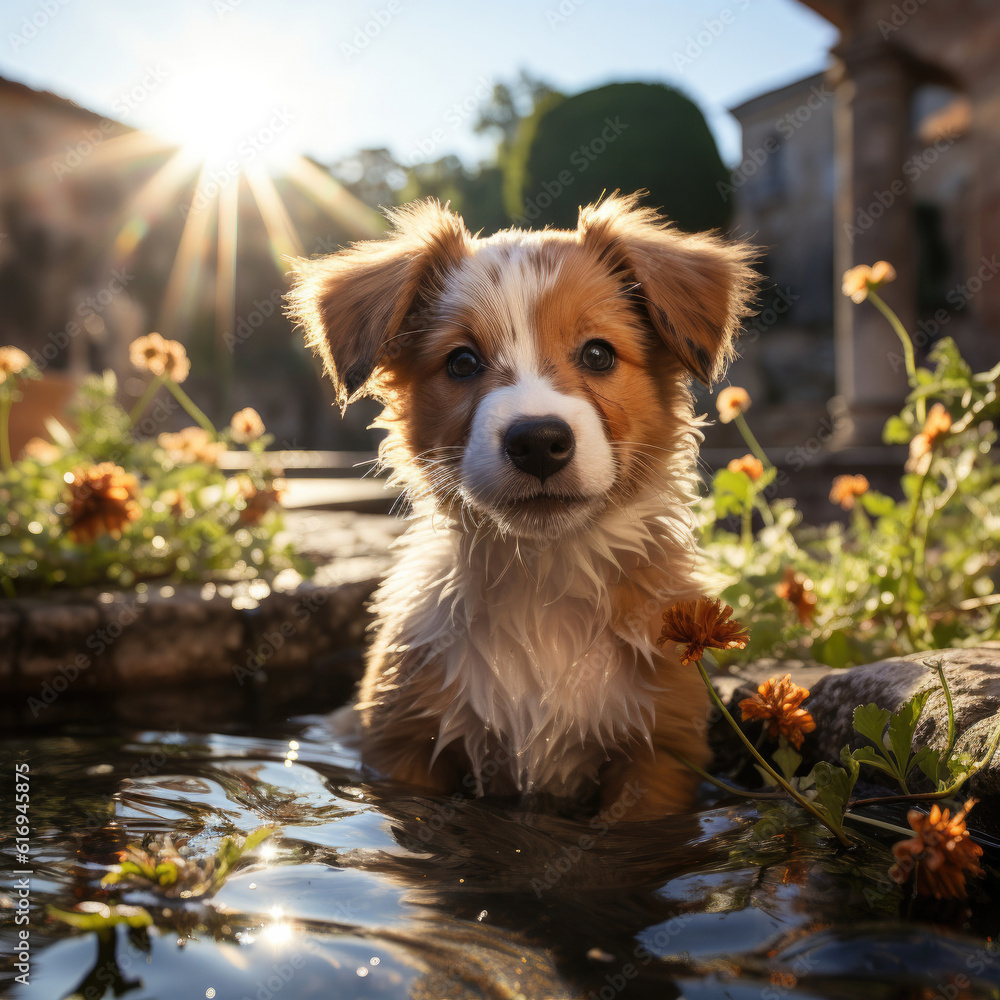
(959, 765)
(929, 762)
(896, 431)
(868, 755)
(95, 916)
(833, 790)
(835, 650)
(870, 721)
(256, 837)
(877, 504)
(949, 365)
(733, 492)
(901, 728)
(787, 760)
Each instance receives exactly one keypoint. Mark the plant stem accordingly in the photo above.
(951, 710)
(189, 405)
(144, 401)
(910, 575)
(778, 779)
(878, 823)
(944, 793)
(752, 443)
(5, 404)
(904, 339)
(719, 783)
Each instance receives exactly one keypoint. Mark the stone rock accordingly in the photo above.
(250, 641)
(974, 681)
(973, 678)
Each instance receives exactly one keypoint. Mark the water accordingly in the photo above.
(369, 891)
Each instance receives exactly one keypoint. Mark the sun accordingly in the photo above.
(222, 108)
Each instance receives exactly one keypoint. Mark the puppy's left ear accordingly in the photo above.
(695, 288)
(355, 305)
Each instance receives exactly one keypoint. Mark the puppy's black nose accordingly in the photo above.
(540, 446)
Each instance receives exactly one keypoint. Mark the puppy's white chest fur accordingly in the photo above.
(522, 642)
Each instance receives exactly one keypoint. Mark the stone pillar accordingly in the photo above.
(874, 221)
(984, 228)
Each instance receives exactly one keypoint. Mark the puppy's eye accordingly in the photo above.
(597, 355)
(464, 363)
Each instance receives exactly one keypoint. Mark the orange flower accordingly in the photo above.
(860, 280)
(102, 500)
(192, 444)
(246, 426)
(846, 488)
(938, 422)
(701, 624)
(777, 702)
(154, 354)
(753, 467)
(921, 447)
(731, 402)
(942, 852)
(797, 590)
(259, 501)
(13, 361)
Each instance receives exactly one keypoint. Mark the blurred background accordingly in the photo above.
(160, 165)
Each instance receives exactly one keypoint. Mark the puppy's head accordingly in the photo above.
(534, 377)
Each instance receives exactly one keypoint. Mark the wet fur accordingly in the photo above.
(515, 644)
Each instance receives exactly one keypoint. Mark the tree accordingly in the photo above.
(624, 136)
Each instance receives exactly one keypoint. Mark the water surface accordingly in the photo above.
(366, 890)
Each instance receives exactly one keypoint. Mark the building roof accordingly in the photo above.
(764, 101)
(46, 97)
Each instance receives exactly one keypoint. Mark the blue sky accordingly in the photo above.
(327, 78)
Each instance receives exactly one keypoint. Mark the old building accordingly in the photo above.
(917, 136)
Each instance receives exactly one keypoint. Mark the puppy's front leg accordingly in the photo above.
(653, 783)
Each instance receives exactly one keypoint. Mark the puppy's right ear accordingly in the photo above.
(354, 302)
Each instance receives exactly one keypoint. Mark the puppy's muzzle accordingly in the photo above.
(540, 446)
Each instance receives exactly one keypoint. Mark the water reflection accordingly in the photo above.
(368, 890)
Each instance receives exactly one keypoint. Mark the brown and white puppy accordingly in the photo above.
(536, 395)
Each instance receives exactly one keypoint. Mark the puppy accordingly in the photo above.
(539, 417)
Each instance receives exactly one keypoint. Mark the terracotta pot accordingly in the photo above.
(48, 397)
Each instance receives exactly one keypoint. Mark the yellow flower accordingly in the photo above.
(149, 353)
(701, 624)
(942, 852)
(797, 590)
(246, 426)
(102, 499)
(882, 273)
(732, 401)
(855, 283)
(177, 366)
(154, 354)
(846, 488)
(860, 280)
(753, 467)
(777, 702)
(13, 361)
(192, 444)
